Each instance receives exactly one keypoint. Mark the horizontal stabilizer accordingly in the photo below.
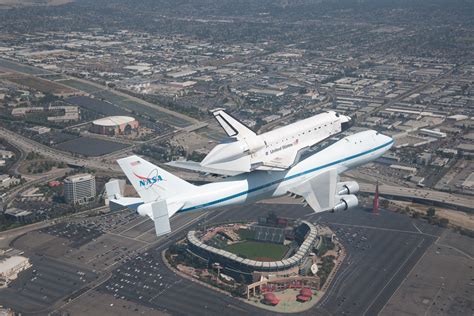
(114, 188)
(122, 202)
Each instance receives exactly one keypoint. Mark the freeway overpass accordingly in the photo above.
(53, 154)
(425, 196)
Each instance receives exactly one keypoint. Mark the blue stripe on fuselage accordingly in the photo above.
(230, 197)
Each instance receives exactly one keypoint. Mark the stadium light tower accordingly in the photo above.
(218, 267)
(375, 209)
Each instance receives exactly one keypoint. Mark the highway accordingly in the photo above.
(14, 66)
(460, 202)
(27, 145)
(11, 194)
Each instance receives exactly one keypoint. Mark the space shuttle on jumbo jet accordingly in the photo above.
(315, 178)
(245, 151)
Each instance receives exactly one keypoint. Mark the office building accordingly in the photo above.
(79, 189)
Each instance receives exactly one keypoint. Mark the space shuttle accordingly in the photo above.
(277, 150)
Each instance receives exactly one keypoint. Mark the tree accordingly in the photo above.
(431, 212)
(443, 222)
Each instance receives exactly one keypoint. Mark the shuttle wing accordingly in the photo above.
(284, 160)
(196, 166)
(319, 191)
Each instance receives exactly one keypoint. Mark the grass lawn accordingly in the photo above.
(260, 251)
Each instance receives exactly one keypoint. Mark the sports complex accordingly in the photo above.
(264, 249)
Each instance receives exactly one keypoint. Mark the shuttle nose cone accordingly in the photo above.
(346, 122)
(345, 119)
(386, 140)
(389, 139)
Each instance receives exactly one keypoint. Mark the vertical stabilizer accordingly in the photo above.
(232, 126)
(151, 182)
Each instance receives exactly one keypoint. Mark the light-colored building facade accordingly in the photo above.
(79, 188)
(10, 267)
(7, 181)
(6, 154)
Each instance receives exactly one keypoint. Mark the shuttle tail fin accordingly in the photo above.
(151, 182)
(232, 126)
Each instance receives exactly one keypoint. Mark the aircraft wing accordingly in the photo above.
(319, 191)
(283, 160)
(196, 166)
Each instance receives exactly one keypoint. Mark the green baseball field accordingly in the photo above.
(259, 251)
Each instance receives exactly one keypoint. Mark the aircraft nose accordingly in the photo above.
(387, 140)
(346, 122)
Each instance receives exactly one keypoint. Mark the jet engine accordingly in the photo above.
(145, 210)
(346, 202)
(158, 212)
(345, 188)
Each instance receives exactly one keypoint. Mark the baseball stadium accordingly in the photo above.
(271, 247)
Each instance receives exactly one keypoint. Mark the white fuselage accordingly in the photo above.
(347, 153)
(303, 133)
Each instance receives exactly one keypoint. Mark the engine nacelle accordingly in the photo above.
(145, 210)
(346, 202)
(345, 188)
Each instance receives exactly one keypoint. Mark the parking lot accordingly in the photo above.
(78, 234)
(90, 146)
(48, 281)
(441, 284)
(381, 251)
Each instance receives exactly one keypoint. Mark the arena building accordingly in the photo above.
(114, 125)
(305, 238)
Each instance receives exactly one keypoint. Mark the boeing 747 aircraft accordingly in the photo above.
(315, 178)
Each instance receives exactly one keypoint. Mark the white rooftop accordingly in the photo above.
(10, 263)
(114, 120)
